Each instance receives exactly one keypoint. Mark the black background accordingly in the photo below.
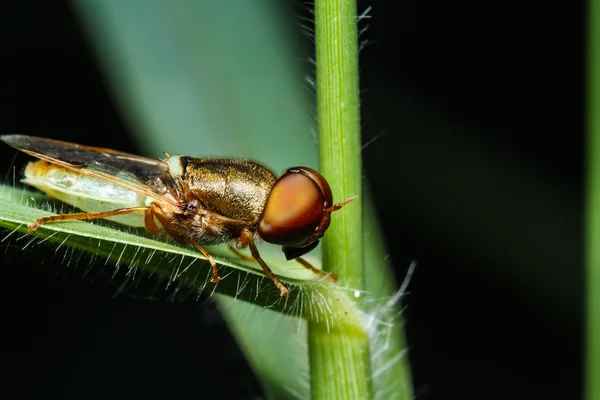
(449, 88)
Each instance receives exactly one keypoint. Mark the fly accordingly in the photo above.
(200, 201)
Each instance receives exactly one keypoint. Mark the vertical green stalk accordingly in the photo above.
(339, 360)
(593, 208)
(339, 132)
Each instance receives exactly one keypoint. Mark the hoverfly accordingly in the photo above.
(201, 201)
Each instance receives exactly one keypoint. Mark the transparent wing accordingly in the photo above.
(150, 178)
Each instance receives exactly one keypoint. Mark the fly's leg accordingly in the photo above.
(150, 223)
(164, 219)
(213, 265)
(244, 240)
(84, 216)
(300, 260)
(241, 255)
(317, 271)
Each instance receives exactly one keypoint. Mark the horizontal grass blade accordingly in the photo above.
(241, 280)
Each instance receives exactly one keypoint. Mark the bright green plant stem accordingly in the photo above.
(339, 132)
(338, 362)
(593, 208)
(339, 359)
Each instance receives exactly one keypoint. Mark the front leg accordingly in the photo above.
(244, 240)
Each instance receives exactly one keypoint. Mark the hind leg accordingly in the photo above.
(84, 216)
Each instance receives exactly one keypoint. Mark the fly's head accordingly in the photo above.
(297, 211)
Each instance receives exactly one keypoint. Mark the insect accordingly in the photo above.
(201, 201)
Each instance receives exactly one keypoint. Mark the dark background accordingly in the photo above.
(473, 115)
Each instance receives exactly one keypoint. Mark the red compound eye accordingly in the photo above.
(295, 212)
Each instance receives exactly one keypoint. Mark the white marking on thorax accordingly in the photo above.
(175, 167)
